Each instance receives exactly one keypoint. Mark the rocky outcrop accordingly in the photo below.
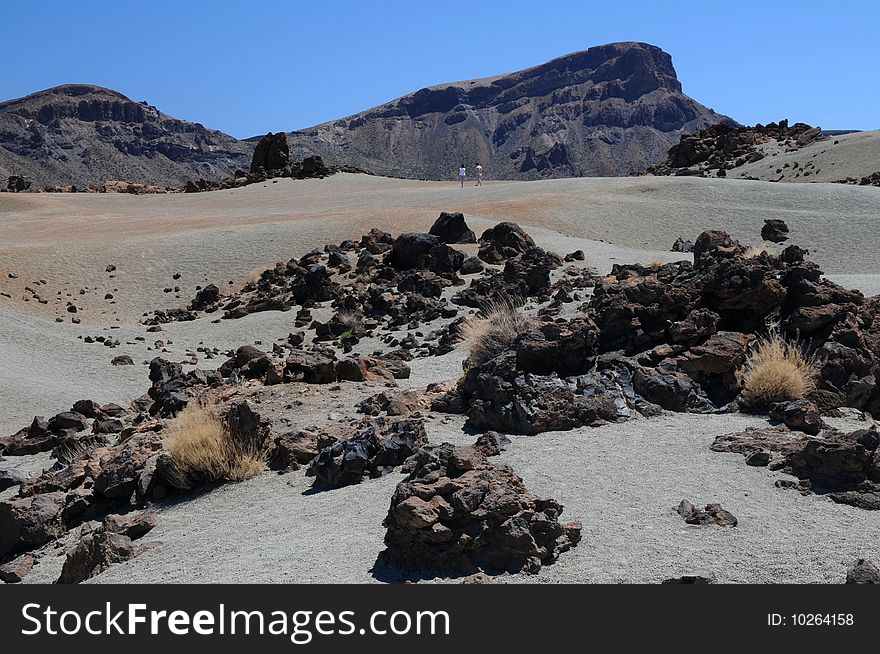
(17, 184)
(610, 110)
(271, 153)
(371, 451)
(102, 545)
(457, 512)
(845, 467)
(723, 147)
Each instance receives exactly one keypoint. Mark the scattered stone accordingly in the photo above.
(774, 230)
(491, 443)
(682, 245)
(713, 513)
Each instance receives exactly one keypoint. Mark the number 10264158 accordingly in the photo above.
(810, 620)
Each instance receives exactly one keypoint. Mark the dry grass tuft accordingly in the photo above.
(204, 450)
(775, 371)
(351, 320)
(493, 331)
(656, 263)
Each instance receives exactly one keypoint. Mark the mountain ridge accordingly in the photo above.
(609, 110)
(565, 117)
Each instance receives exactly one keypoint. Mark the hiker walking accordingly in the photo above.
(462, 173)
(479, 171)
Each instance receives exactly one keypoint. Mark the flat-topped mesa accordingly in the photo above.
(609, 110)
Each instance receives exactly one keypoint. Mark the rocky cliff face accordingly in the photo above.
(85, 135)
(610, 110)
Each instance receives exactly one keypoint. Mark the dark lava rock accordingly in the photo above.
(504, 241)
(458, 512)
(10, 477)
(451, 228)
(491, 443)
(713, 513)
(802, 415)
(272, 153)
(374, 450)
(774, 230)
(682, 245)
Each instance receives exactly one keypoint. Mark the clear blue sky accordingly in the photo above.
(250, 67)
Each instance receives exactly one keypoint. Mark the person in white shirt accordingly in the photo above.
(462, 173)
(479, 171)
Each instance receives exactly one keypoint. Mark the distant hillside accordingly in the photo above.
(610, 110)
(84, 135)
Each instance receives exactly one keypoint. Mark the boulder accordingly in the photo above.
(409, 251)
(451, 228)
(681, 245)
(504, 241)
(491, 443)
(802, 415)
(29, 522)
(363, 369)
(458, 512)
(272, 153)
(309, 367)
(372, 451)
(774, 230)
(96, 552)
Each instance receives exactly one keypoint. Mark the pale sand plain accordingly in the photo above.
(620, 480)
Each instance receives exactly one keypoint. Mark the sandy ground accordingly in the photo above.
(620, 480)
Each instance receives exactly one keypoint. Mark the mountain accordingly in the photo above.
(610, 110)
(84, 135)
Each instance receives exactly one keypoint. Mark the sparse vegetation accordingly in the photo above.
(497, 325)
(775, 371)
(352, 320)
(204, 450)
(656, 264)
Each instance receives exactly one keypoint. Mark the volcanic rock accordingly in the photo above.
(271, 153)
(774, 230)
(451, 228)
(458, 512)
